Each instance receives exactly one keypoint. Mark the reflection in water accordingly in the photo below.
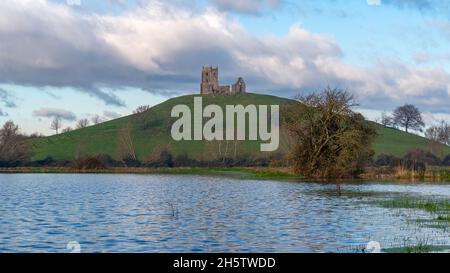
(168, 213)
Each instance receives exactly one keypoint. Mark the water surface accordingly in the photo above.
(189, 213)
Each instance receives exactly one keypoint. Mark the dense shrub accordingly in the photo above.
(422, 156)
(44, 162)
(131, 162)
(330, 140)
(165, 159)
(446, 161)
(159, 159)
(183, 160)
(275, 163)
(410, 165)
(385, 160)
(108, 161)
(47, 162)
(415, 160)
(11, 164)
(88, 163)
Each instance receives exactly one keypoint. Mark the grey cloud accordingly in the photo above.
(74, 51)
(437, 6)
(111, 114)
(55, 113)
(247, 6)
(3, 114)
(99, 54)
(61, 51)
(6, 99)
(108, 97)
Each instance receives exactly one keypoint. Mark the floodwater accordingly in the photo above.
(190, 213)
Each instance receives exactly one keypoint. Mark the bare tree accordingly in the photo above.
(141, 109)
(12, 144)
(408, 117)
(439, 136)
(67, 129)
(96, 119)
(386, 120)
(82, 123)
(35, 135)
(126, 148)
(56, 124)
(439, 133)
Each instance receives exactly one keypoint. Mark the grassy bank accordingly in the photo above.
(433, 174)
(244, 173)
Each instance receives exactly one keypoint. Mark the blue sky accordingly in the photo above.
(77, 58)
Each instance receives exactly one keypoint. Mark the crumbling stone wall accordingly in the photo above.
(210, 83)
(239, 86)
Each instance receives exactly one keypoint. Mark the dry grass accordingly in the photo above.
(432, 174)
(252, 173)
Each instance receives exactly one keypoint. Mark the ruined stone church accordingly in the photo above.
(210, 83)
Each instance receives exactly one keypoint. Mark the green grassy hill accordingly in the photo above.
(150, 132)
(395, 142)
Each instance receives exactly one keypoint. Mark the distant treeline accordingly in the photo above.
(415, 160)
(163, 159)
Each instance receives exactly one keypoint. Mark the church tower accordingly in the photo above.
(210, 83)
(210, 80)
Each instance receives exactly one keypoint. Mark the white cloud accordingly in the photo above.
(73, 2)
(111, 115)
(374, 2)
(160, 47)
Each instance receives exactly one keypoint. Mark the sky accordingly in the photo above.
(76, 59)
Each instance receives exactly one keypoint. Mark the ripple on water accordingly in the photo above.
(168, 213)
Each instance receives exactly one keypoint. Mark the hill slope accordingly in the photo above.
(395, 142)
(150, 132)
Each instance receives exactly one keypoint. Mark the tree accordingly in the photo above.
(35, 135)
(82, 123)
(141, 109)
(96, 119)
(13, 145)
(126, 148)
(386, 120)
(444, 133)
(439, 136)
(409, 117)
(67, 129)
(329, 139)
(439, 133)
(56, 124)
